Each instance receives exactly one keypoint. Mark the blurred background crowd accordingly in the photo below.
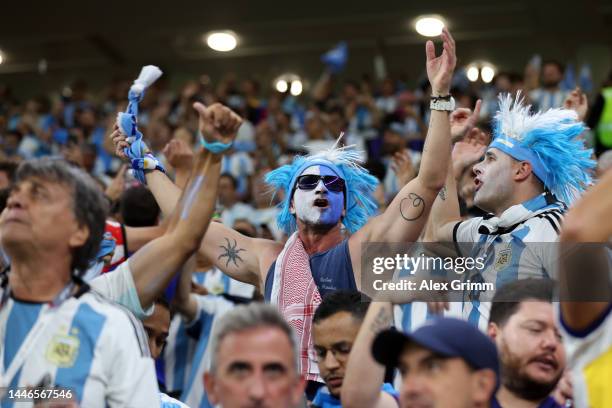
(386, 120)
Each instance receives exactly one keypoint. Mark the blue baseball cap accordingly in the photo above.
(445, 336)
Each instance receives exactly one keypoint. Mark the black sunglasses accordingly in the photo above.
(310, 182)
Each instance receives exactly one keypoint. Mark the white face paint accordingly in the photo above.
(318, 206)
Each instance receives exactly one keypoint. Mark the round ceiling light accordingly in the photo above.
(429, 26)
(487, 73)
(472, 73)
(1, 58)
(282, 86)
(296, 87)
(222, 41)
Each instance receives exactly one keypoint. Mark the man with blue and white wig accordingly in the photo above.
(327, 211)
(535, 167)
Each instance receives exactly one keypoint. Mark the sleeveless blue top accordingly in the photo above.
(331, 270)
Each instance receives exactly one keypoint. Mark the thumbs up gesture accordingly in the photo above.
(217, 123)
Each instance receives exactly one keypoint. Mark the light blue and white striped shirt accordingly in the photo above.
(210, 308)
(517, 252)
(85, 344)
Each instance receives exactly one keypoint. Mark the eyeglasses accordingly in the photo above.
(310, 182)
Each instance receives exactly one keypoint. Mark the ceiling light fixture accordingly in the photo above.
(296, 87)
(472, 73)
(281, 86)
(429, 26)
(289, 82)
(222, 41)
(487, 73)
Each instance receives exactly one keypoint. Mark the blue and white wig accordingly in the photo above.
(358, 198)
(550, 141)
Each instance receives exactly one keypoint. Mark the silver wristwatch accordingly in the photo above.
(442, 104)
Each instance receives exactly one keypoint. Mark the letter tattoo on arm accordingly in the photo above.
(231, 252)
(416, 202)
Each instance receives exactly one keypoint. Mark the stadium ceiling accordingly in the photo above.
(71, 35)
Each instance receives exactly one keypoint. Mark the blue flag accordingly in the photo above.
(336, 58)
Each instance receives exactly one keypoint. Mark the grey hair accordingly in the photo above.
(89, 206)
(245, 317)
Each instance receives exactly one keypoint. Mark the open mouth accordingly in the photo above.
(477, 183)
(321, 202)
(546, 362)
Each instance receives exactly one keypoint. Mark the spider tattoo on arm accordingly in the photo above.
(231, 251)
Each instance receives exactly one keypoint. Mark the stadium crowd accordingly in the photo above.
(205, 248)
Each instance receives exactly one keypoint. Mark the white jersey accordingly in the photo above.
(512, 252)
(589, 356)
(210, 308)
(179, 353)
(85, 344)
(543, 99)
(118, 286)
(183, 336)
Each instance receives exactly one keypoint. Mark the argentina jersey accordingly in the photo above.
(410, 316)
(180, 346)
(516, 245)
(86, 345)
(183, 336)
(210, 308)
(178, 354)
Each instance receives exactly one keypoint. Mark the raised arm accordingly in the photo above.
(445, 211)
(405, 217)
(240, 257)
(184, 302)
(364, 376)
(587, 222)
(155, 264)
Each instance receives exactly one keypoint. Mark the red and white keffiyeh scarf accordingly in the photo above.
(296, 295)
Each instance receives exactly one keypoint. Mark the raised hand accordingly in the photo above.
(462, 120)
(465, 153)
(117, 185)
(179, 154)
(564, 390)
(120, 142)
(440, 69)
(217, 123)
(577, 101)
(402, 167)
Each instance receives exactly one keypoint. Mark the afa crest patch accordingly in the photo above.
(503, 258)
(63, 350)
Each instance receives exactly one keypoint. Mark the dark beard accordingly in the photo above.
(521, 385)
